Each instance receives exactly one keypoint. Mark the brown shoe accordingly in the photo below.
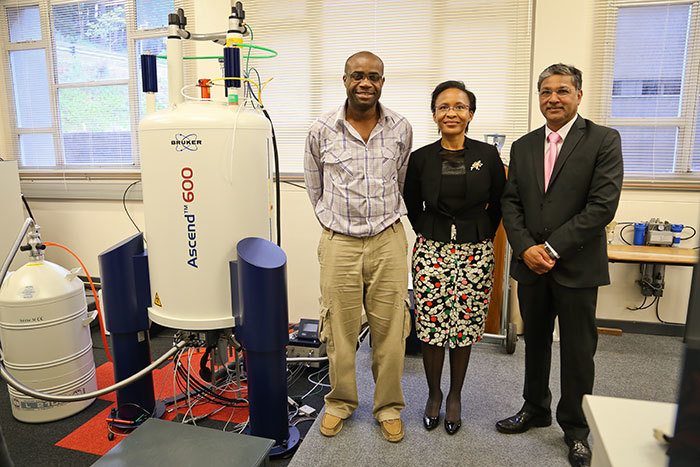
(331, 425)
(392, 430)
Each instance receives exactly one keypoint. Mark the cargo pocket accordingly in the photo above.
(324, 328)
(407, 318)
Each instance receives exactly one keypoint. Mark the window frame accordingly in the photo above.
(689, 110)
(47, 43)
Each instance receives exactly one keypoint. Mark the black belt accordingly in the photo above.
(398, 221)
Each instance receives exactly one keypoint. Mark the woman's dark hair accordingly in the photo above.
(449, 85)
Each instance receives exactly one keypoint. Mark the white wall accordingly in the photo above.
(563, 32)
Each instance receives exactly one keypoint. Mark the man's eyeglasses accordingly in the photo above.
(358, 76)
(459, 108)
(561, 92)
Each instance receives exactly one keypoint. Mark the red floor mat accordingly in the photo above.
(92, 436)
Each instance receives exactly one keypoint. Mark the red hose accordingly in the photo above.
(97, 300)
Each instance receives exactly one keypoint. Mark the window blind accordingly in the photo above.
(486, 44)
(648, 83)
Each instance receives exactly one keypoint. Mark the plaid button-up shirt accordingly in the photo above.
(356, 187)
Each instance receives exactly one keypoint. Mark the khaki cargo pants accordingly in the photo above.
(370, 272)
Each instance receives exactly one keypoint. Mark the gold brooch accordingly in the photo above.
(476, 165)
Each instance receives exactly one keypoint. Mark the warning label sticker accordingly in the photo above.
(156, 301)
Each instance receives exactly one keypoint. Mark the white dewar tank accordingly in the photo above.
(45, 334)
(206, 169)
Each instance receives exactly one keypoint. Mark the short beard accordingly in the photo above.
(356, 104)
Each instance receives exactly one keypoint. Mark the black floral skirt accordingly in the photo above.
(451, 286)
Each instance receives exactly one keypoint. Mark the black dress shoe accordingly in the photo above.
(452, 427)
(523, 421)
(430, 422)
(579, 452)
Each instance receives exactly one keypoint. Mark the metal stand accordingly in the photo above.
(509, 331)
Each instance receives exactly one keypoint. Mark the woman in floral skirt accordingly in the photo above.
(452, 192)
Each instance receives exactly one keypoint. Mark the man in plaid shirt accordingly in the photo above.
(354, 168)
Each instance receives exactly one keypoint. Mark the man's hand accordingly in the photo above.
(537, 259)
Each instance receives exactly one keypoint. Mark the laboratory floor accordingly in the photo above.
(42, 443)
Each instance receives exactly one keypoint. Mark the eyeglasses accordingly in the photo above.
(358, 76)
(459, 108)
(561, 92)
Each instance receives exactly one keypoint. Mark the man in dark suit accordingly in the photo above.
(563, 188)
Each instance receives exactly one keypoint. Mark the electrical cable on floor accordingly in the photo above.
(238, 427)
(207, 392)
(133, 404)
(233, 411)
(227, 385)
(198, 400)
(290, 416)
(294, 375)
(192, 383)
(189, 403)
(125, 433)
(244, 426)
(363, 333)
(204, 388)
(176, 362)
(133, 424)
(162, 388)
(319, 382)
(199, 418)
(305, 418)
(316, 384)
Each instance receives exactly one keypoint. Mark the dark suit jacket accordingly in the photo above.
(581, 200)
(482, 214)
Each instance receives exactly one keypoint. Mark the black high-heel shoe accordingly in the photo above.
(452, 427)
(430, 422)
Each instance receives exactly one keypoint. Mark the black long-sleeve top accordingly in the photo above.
(478, 217)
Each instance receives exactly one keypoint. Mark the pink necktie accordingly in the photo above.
(551, 157)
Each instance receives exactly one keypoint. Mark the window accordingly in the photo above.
(73, 80)
(650, 85)
(486, 44)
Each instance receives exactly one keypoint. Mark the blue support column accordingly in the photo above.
(259, 300)
(126, 297)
